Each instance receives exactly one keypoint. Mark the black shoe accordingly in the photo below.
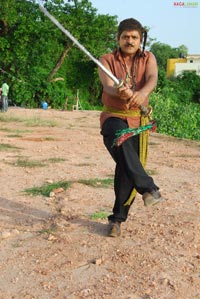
(152, 198)
(115, 229)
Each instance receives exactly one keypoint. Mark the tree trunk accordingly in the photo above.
(3, 27)
(59, 64)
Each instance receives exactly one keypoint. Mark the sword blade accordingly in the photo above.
(82, 48)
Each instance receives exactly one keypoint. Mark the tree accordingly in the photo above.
(35, 54)
(190, 82)
(82, 21)
(163, 52)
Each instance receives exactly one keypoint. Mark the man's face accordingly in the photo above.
(129, 42)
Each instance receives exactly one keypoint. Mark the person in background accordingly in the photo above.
(137, 68)
(5, 91)
(0, 93)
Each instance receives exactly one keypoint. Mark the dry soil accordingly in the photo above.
(53, 246)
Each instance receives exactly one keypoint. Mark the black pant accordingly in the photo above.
(129, 172)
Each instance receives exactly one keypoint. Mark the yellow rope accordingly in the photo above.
(143, 139)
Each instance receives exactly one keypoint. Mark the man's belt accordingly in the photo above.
(125, 113)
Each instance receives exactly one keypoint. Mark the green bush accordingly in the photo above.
(174, 117)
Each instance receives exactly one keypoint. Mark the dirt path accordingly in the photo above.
(51, 247)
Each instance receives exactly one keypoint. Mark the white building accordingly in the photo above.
(176, 66)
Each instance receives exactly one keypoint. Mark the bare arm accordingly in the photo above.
(151, 77)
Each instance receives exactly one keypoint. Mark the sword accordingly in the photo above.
(118, 83)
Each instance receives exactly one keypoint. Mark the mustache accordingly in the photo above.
(129, 45)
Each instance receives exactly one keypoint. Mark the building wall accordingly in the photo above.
(171, 65)
(180, 67)
(175, 66)
(193, 58)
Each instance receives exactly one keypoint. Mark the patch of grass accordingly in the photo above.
(50, 230)
(99, 215)
(98, 183)
(84, 164)
(37, 122)
(20, 157)
(14, 136)
(46, 189)
(6, 146)
(6, 118)
(25, 162)
(31, 122)
(15, 131)
(6, 130)
(49, 138)
(28, 163)
(55, 160)
(22, 131)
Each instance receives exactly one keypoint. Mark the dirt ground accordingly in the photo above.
(52, 247)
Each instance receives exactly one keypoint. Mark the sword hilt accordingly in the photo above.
(146, 111)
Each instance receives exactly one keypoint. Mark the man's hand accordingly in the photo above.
(124, 92)
(137, 99)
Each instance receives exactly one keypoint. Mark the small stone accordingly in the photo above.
(5, 235)
(58, 190)
(52, 238)
(97, 261)
(49, 181)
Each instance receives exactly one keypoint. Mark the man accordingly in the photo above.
(137, 68)
(0, 93)
(5, 90)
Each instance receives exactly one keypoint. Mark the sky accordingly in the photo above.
(169, 23)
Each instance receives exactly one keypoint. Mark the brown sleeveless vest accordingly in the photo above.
(113, 106)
